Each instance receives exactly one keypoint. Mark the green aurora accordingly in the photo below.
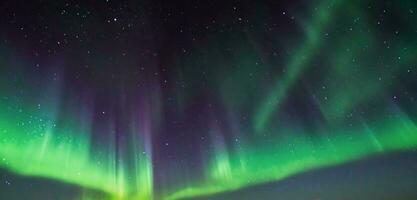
(355, 73)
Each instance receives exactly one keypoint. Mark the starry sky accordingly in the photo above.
(208, 100)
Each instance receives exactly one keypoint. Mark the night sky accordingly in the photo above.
(208, 100)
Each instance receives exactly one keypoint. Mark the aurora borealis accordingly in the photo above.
(181, 100)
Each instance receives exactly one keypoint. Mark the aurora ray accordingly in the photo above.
(161, 100)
